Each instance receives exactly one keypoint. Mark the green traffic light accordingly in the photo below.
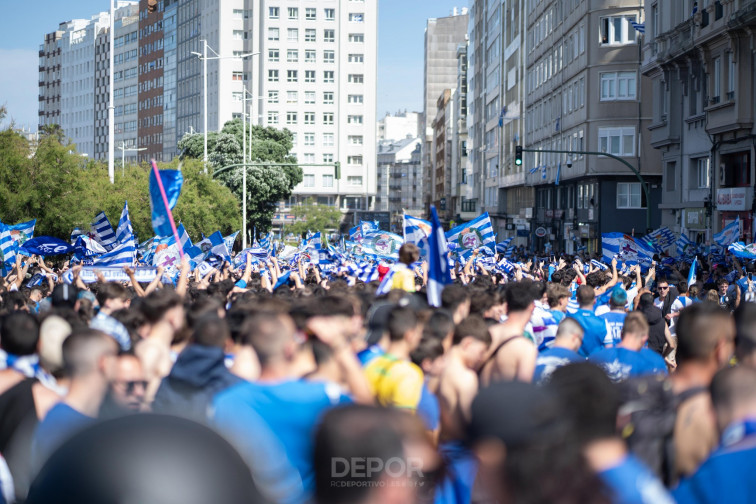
(518, 162)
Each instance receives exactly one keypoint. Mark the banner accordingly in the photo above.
(89, 274)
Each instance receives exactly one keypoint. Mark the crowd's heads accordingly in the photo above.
(733, 396)
(129, 385)
(635, 329)
(618, 298)
(440, 326)
(272, 337)
(89, 352)
(113, 296)
(519, 297)
(429, 356)
(569, 334)
(19, 334)
(456, 299)
(471, 336)
(211, 331)
(586, 296)
(164, 305)
(65, 296)
(377, 325)
(705, 334)
(558, 296)
(403, 325)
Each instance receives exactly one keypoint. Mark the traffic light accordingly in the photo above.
(518, 155)
(337, 165)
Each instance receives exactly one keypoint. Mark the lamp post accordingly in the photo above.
(111, 105)
(203, 56)
(123, 149)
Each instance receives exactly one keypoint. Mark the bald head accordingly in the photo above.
(569, 334)
(705, 332)
(83, 351)
(269, 334)
(733, 395)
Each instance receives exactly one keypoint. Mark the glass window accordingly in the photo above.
(291, 97)
(310, 56)
(309, 97)
(272, 96)
(358, 38)
(329, 35)
(354, 119)
(308, 180)
(291, 118)
(629, 195)
(273, 34)
(354, 180)
(329, 56)
(327, 180)
(292, 56)
(272, 75)
(356, 58)
(273, 55)
(617, 141)
(330, 14)
(311, 13)
(356, 78)
(309, 139)
(703, 175)
(354, 160)
(328, 139)
(310, 35)
(328, 98)
(273, 12)
(309, 75)
(617, 30)
(272, 117)
(293, 34)
(356, 17)
(355, 99)
(355, 139)
(309, 117)
(293, 13)
(328, 76)
(328, 118)
(309, 158)
(291, 76)
(618, 86)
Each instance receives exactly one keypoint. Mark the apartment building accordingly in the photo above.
(399, 126)
(49, 79)
(699, 58)
(584, 92)
(399, 187)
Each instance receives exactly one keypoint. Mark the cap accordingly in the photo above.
(514, 412)
(619, 296)
(377, 322)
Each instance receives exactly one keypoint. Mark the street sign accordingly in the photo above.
(540, 232)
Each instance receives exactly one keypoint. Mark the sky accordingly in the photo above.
(401, 27)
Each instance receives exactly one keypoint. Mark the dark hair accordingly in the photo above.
(473, 326)
(557, 292)
(408, 253)
(400, 321)
(483, 300)
(721, 281)
(83, 349)
(211, 331)
(111, 290)
(697, 333)
(330, 306)
(158, 303)
(64, 296)
(453, 296)
(733, 386)
(429, 348)
(682, 287)
(585, 295)
(19, 334)
(519, 296)
(439, 325)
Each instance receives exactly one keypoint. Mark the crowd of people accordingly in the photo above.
(562, 381)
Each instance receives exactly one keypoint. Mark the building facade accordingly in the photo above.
(399, 126)
(584, 92)
(699, 58)
(399, 188)
(49, 79)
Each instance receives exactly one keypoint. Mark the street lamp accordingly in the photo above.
(123, 155)
(203, 56)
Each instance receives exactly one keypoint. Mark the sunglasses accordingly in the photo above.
(133, 384)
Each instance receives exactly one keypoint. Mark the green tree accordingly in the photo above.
(313, 217)
(266, 185)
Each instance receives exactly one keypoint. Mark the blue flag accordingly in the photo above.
(438, 266)
(45, 246)
(692, 275)
(172, 181)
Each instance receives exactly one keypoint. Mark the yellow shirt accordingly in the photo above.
(395, 382)
(404, 279)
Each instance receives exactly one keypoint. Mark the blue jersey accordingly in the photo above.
(594, 331)
(550, 359)
(558, 315)
(621, 363)
(370, 353)
(614, 323)
(428, 409)
(58, 426)
(727, 476)
(631, 482)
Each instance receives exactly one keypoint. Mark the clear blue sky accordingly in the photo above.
(401, 26)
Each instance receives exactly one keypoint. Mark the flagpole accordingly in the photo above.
(167, 208)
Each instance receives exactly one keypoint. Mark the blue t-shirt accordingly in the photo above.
(622, 363)
(370, 353)
(727, 476)
(558, 315)
(427, 408)
(291, 410)
(631, 482)
(59, 425)
(550, 359)
(594, 331)
(614, 323)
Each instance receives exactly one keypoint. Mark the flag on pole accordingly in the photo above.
(438, 265)
(102, 231)
(729, 234)
(475, 234)
(12, 236)
(124, 231)
(559, 172)
(416, 230)
(692, 275)
(122, 255)
(639, 27)
(172, 180)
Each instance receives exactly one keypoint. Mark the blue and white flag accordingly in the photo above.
(743, 251)
(639, 27)
(729, 234)
(660, 239)
(265, 241)
(102, 231)
(283, 279)
(559, 165)
(368, 272)
(75, 234)
(388, 280)
(230, 239)
(472, 235)
(382, 244)
(122, 255)
(416, 231)
(124, 232)
(45, 246)
(218, 246)
(438, 265)
(172, 180)
(503, 246)
(625, 247)
(186, 242)
(87, 247)
(685, 246)
(599, 265)
(312, 242)
(12, 236)
(692, 275)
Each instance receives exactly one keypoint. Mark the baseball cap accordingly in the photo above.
(619, 296)
(377, 322)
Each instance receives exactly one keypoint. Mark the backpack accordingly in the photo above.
(647, 417)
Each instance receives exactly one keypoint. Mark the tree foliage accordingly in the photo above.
(266, 185)
(313, 217)
(64, 190)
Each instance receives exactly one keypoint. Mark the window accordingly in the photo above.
(717, 84)
(618, 86)
(329, 56)
(294, 139)
(355, 139)
(311, 13)
(309, 97)
(730, 77)
(617, 30)
(309, 139)
(357, 38)
(328, 76)
(273, 34)
(327, 180)
(703, 175)
(309, 158)
(330, 14)
(291, 118)
(292, 56)
(670, 177)
(273, 55)
(354, 160)
(273, 12)
(237, 96)
(329, 35)
(629, 195)
(310, 35)
(238, 35)
(356, 58)
(291, 97)
(310, 56)
(293, 34)
(272, 75)
(309, 75)
(237, 76)
(328, 139)
(327, 158)
(238, 14)
(272, 117)
(355, 98)
(617, 141)
(328, 118)
(356, 78)
(293, 13)
(356, 17)
(354, 119)
(328, 98)
(291, 76)
(272, 96)
(308, 180)
(354, 180)
(309, 117)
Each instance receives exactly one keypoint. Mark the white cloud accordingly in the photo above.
(19, 85)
